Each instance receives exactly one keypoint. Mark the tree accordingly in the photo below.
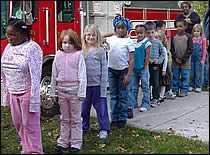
(200, 7)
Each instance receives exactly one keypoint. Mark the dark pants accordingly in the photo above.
(154, 71)
(118, 94)
(100, 105)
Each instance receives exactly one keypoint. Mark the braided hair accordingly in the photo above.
(120, 19)
(19, 26)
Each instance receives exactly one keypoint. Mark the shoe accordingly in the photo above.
(113, 124)
(130, 113)
(170, 95)
(161, 99)
(182, 94)
(197, 90)
(59, 149)
(74, 150)
(103, 134)
(190, 89)
(155, 103)
(143, 109)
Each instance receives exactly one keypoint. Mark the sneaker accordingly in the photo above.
(182, 94)
(161, 99)
(197, 90)
(121, 124)
(190, 89)
(143, 109)
(59, 149)
(130, 113)
(155, 103)
(74, 150)
(170, 95)
(103, 134)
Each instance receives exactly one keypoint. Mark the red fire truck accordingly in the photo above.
(48, 18)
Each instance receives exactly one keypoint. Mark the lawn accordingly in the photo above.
(126, 140)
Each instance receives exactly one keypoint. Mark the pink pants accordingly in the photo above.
(71, 121)
(27, 123)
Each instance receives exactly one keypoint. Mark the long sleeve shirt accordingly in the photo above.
(21, 68)
(97, 70)
(165, 62)
(181, 48)
(157, 51)
(69, 74)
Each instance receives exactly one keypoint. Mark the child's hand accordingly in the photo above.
(163, 73)
(126, 80)
(155, 61)
(178, 61)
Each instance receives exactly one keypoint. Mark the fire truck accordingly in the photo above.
(48, 18)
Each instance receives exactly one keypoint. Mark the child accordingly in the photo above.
(156, 59)
(69, 79)
(21, 67)
(97, 76)
(181, 50)
(120, 66)
(197, 59)
(141, 70)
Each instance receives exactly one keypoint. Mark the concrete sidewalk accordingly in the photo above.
(186, 116)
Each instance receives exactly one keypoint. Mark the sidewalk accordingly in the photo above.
(187, 116)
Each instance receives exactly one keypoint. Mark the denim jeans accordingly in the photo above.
(118, 95)
(181, 78)
(196, 73)
(144, 76)
(154, 71)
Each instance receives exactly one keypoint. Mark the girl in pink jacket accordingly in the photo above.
(69, 81)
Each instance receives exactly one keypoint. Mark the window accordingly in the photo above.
(65, 11)
(4, 17)
(25, 10)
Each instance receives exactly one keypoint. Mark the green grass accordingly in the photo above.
(125, 140)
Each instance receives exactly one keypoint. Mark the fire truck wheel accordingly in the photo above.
(48, 109)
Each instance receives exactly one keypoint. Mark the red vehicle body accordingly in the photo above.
(48, 18)
(142, 15)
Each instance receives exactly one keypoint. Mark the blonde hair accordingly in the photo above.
(160, 34)
(73, 38)
(95, 29)
(199, 27)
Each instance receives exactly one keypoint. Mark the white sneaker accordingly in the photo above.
(143, 109)
(103, 134)
(190, 89)
(198, 90)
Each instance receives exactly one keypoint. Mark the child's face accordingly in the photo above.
(91, 38)
(121, 31)
(180, 27)
(140, 33)
(67, 46)
(196, 32)
(13, 37)
(151, 34)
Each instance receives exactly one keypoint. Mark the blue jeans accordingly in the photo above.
(181, 79)
(144, 76)
(206, 72)
(118, 95)
(196, 74)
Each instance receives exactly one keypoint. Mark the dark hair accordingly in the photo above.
(150, 25)
(140, 25)
(19, 26)
(160, 23)
(179, 19)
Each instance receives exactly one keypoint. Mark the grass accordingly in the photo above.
(126, 140)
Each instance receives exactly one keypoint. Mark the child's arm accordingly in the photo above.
(130, 68)
(165, 62)
(82, 78)
(53, 79)
(203, 51)
(162, 54)
(5, 93)
(107, 34)
(104, 74)
(189, 49)
(146, 63)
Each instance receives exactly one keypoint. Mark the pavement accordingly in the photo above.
(184, 116)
